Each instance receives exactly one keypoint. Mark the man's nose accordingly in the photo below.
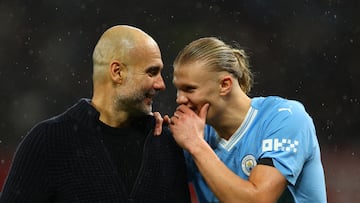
(159, 83)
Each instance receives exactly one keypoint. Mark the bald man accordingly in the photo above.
(104, 149)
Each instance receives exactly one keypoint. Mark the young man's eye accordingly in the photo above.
(189, 89)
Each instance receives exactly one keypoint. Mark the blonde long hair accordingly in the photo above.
(218, 56)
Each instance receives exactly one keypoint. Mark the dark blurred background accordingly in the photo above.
(302, 49)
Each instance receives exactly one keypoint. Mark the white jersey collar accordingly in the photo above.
(240, 132)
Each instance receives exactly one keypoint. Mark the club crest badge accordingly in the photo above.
(248, 163)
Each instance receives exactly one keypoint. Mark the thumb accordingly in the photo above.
(203, 111)
(158, 124)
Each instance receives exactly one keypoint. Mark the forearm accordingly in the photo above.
(265, 183)
(226, 185)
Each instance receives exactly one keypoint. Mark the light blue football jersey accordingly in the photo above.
(274, 128)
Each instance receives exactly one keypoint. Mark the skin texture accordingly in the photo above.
(216, 98)
(127, 75)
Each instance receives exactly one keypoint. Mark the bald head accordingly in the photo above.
(127, 74)
(118, 43)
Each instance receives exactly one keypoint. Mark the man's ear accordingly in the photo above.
(117, 71)
(226, 84)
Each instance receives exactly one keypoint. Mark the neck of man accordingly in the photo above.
(109, 114)
(232, 116)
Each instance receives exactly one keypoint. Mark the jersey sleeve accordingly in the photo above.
(289, 139)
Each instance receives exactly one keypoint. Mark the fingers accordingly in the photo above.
(158, 123)
(167, 119)
(177, 114)
(183, 112)
(183, 109)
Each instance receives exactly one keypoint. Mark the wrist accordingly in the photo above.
(198, 148)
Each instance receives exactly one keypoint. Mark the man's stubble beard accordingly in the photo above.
(133, 103)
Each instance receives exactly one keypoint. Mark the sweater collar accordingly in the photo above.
(86, 114)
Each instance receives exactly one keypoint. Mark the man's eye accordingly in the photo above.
(153, 72)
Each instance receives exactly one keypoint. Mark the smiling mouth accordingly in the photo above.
(149, 97)
(151, 94)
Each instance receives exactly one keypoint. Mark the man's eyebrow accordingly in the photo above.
(153, 68)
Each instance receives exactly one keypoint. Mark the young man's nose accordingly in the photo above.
(181, 99)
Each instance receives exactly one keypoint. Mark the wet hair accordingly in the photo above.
(218, 56)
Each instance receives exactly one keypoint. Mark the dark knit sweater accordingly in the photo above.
(64, 159)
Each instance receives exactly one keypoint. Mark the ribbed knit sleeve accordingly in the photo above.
(28, 179)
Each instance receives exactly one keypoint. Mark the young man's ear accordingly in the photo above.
(226, 84)
(117, 71)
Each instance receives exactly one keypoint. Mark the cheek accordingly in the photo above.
(197, 99)
(198, 102)
(144, 84)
